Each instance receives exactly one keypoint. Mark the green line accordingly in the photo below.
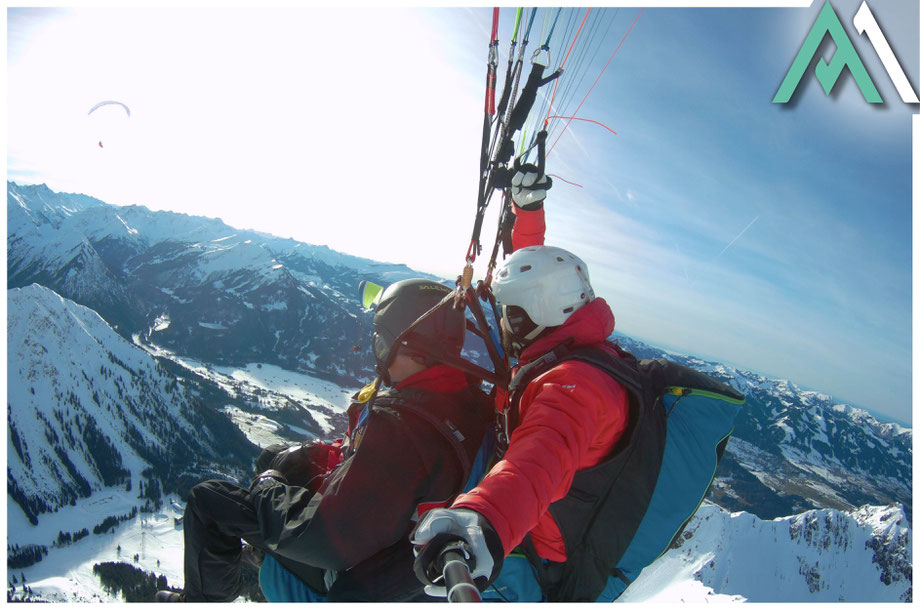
(543, 29)
(517, 22)
(680, 391)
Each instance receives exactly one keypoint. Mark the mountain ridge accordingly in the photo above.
(87, 410)
(820, 555)
(812, 463)
(231, 296)
(165, 371)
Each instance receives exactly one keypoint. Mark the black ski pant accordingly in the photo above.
(218, 516)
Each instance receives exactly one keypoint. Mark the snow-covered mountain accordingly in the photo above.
(824, 555)
(87, 410)
(795, 449)
(150, 350)
(195, 285)
(863, 555)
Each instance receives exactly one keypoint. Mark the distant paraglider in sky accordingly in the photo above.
(109, 117)
(108, 102)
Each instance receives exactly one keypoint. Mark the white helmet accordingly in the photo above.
(548, 283)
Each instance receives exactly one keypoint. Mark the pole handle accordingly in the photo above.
(457, 578)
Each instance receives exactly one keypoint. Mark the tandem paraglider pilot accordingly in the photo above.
(583, 496)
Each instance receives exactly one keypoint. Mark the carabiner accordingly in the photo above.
(533, 58)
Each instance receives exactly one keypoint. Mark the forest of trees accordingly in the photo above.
(138, 585)
(111, 521)
(134, 584)
(65, 538)
(23, 557)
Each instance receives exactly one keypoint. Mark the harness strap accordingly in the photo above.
(540, 571)
(617, 572)
(454, 360)
(448, 432)
(524, 376)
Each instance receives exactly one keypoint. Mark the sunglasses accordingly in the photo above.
(515, 318)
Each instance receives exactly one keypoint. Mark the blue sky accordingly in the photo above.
(714, 222)
(818, 288)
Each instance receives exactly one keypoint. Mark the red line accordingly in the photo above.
(595, 81)
(574, 118)
(569, 52)
(564, 180)
(494, 23)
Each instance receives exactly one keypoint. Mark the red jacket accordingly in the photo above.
(529, 228)
(570, 417)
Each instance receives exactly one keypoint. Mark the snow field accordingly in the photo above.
(817, 556)
(66, 573)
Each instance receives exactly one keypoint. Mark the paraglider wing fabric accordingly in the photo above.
(370, 293)
(106, 103)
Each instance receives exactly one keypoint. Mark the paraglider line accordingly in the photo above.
(562, 65)
(575, 118)
(564, 180)
(597, 79)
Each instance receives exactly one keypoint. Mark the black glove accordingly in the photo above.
(264, 461)
(300, 464)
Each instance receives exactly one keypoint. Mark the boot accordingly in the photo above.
(252, 555)
(170, 596)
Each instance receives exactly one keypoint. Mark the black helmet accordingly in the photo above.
(402, 304)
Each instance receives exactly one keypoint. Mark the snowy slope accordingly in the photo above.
(66, 574)
(270, 391)
(42, 249)
(88, 410)
(817, 556)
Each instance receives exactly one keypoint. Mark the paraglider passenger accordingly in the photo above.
(333, 519)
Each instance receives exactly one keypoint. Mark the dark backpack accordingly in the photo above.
(473, 449)
(622, 514)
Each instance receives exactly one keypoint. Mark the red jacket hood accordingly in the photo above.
(591, 324)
